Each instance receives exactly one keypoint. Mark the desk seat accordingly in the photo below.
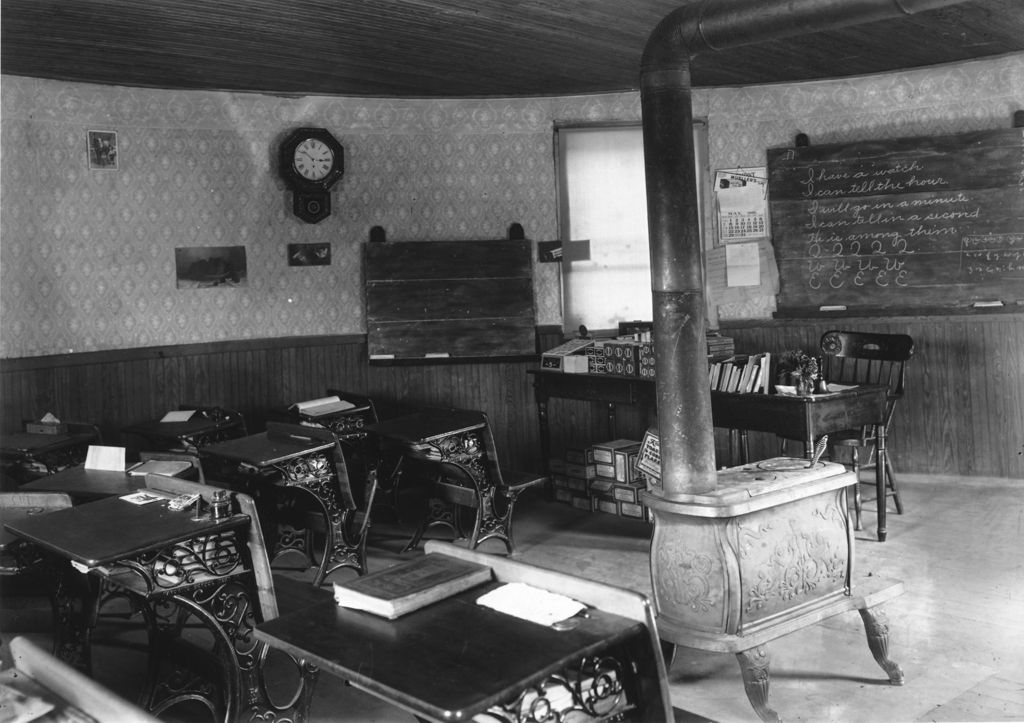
(458, 446)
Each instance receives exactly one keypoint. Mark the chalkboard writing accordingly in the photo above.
(910, 224)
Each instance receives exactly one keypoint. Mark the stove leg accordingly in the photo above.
(877, 628)
(754, 667)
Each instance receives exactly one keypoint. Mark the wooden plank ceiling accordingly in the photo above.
(447, 48)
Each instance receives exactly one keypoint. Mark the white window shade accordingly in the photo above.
(604, 201)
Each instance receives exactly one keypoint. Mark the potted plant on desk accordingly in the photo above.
(800, 370)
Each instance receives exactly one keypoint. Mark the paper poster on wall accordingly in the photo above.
(742, 264)
(741, 203)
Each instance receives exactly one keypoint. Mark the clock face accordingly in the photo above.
(313, 159)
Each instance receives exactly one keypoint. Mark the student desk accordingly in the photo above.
(32, 454)
(349, 427)
(160, 557)
(308, 461)
(84, 485)
(204, 428)
(442, 435)
(454, 659)
(806, 418)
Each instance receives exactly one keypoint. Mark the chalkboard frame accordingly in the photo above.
(970, 188)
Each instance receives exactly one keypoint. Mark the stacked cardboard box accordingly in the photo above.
(621, 357)
(571, 476)
(616, 481)
(645, 359)
(601, 478)
(569, 357)
(595, 359)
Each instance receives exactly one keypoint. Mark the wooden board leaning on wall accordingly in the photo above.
(438, 300)
(910, 225)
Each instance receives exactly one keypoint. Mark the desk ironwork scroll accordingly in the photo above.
(316, 475)
(210, 579)
(593, 691)
(463, 455)
(346, 427)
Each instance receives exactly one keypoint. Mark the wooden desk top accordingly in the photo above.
(267, 448)
(82, 483)
(428, 425)
(28, 443)
(196, 425)
(111, 529)
(447, 661)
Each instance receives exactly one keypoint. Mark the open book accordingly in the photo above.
(166, 467)
(411, 585)
(322, 406)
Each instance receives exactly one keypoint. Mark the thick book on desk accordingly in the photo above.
(411, 585)
(322, 406)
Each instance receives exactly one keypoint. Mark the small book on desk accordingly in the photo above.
(322, 406)
(411, 585)
(165, 467)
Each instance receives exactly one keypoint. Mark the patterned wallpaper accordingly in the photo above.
(87, 255)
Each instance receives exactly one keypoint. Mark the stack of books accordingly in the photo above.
(719, 347)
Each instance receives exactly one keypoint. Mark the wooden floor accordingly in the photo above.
(957, 631)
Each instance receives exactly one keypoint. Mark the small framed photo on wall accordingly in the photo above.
(103, 150)
(318, 254)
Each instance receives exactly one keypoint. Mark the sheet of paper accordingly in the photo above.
(531, 603)
(178, 415)
(141, 498)
(742, 264)
(110, 459)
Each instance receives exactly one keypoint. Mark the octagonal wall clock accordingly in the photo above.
(310, 161)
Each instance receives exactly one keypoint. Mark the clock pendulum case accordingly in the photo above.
(311, 161)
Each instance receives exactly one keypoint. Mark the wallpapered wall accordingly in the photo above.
(87, 256)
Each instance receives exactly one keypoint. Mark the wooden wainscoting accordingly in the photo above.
(963, 413)
(115, 388)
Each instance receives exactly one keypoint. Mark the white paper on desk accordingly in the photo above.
(531, 603)
(110, 459)
(178, 415)
(48, 418)
(832, 387)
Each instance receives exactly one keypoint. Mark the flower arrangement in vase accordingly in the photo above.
(799, 369)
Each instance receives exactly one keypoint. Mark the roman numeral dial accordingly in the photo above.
(313, 159)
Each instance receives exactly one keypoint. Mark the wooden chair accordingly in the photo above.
(64, 686)
(852, 357)
(470, 476)
(25, 584)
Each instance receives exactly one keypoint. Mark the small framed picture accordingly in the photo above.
(318, 254)
(103, 150)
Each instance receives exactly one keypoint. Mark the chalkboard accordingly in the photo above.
(437, 300)
(900, 226)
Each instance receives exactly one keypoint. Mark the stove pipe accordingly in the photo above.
(684, 397)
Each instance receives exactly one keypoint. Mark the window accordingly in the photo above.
(603, 199)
